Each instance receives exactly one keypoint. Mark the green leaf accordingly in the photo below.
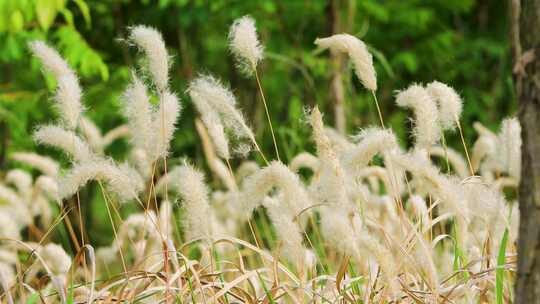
(499, 273)
(16, 21)
(85, 11)
(68, 16)
(46, 13)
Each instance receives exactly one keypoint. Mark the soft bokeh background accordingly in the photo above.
(464, 43)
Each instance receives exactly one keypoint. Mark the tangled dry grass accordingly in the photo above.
(365, 222)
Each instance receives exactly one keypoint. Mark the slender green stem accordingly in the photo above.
(266, 110)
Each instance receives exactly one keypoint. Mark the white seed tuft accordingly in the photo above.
(121, 180)
(358, 52)
(150, 41)
(245, 45)
(68, 92)
(426, 128)
(42, 163)
(65, 140)
(449, 104)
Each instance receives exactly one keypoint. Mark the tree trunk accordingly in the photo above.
(336, 84)
(527, 79)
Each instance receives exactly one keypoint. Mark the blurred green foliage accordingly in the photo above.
(461, 42)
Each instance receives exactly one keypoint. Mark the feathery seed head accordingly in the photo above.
(449, 102)
(150, 41)
(359, 54)
(217, 106)
(22, 181)
(138, 111)
(245, 45)
(371, 141)
(510, 146)
(56, 258)
(164, 124)
(121, 180)
(44, 164)
(275, 175)
(65, 140)
(426, 128)
(68, 92)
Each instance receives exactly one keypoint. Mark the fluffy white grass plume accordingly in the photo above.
(151, 42)
(11, 203)
(121, 180)
(44, 164)
(114, 134)
(221, 170)
(380, 173)
(142, 164)
(194, 193)
(164, 124)
(331, 185)
(244, 44)
(245, 169)
(288, 231)
(65, 140)
(47, 185)
(484, 147)
(151, 129)
(8, 226)
(304, 160)
(138, 111)
(9, 197)
(449, 103)
(340, 223)
(448, 190)
(418, 206)
(22, 181)
(487, 207)
(454, 158)
(212, 122)
(426, 122)
(209, 95)
(91, 133)
(358, 52)
(510, 147)
(339, 142)
(56, 258)
(275, 175)
(483, 130)
(371, 142)
(68, 91)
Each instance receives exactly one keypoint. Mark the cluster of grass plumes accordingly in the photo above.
(373, 223)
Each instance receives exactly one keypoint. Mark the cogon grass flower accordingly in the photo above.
(121, 180)
(65, 140)
(151, 129)
(426, 122)
(449, 104)
(138, 111)
(164, 124)
(287, 230)
(151, 42)
(42, 163)
(217, 106)
(68, 92)
(245, 45)
(194, 193)
(275, 175)
(21, 180)
(371, 141)
(510, 145)
(359, 54)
